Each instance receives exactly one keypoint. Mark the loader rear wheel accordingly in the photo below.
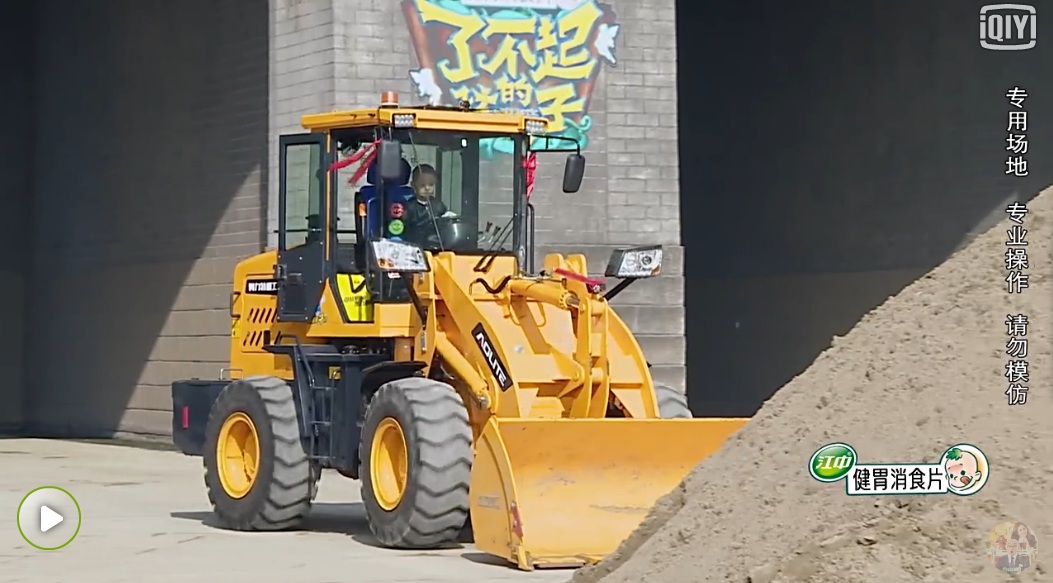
(672, 404)
(416, 454)
(257, 474)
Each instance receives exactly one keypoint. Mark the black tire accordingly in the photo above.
(286, 482)
(467, 533)
(672, 404)
(434, 504)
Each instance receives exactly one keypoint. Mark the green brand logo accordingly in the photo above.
(832, 462)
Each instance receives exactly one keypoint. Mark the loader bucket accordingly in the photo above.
(567, 492)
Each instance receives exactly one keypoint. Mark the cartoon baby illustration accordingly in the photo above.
(964, 470)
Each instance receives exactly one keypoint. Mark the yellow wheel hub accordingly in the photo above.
(389, 464)
(238, 455)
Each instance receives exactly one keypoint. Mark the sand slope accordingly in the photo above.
(921, 372)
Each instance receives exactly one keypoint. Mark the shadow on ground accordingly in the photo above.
(348, 519)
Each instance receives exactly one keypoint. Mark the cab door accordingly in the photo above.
(300, 269)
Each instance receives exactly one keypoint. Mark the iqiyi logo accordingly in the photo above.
(1008, 27)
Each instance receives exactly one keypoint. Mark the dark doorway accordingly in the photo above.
(831, 153)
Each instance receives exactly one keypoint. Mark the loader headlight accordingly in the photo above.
(635, 263)
(534, 126)
(403, 120)
(399, 256)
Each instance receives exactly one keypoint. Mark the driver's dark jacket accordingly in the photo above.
(419, 227)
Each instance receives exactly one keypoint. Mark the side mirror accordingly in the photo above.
(573, 173)
(389, 160)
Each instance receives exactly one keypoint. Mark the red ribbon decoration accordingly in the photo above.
(367, 153)
(530, 165)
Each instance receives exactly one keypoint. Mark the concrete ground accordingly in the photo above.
(146, 520)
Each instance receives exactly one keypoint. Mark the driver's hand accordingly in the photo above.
(448, 215)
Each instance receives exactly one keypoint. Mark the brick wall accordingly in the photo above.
(631, 191)
(151, 132)
(152, 142)
(302, 62)
(152, 171)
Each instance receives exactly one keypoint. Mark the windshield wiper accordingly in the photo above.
(495, 247)
(435, 226)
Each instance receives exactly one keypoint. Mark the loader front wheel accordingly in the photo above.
(416, 454)
(256, 472)
(672, 404)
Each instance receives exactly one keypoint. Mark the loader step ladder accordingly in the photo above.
(316, 400)
(330, 409)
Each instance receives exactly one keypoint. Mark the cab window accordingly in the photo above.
(473, 191)
(303, 196)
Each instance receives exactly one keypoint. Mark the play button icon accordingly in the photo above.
(49, 518)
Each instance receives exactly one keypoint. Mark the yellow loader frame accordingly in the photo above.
(517, 404)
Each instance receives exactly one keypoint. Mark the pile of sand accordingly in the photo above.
(919, 373)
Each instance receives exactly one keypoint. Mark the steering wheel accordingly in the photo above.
(447, 232)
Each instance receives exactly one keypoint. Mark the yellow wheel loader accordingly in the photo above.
(401, 335)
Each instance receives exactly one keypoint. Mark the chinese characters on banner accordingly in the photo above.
(537, 56)
(1016, 259)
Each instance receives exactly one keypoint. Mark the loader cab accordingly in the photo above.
(348, 183)
(472, 198)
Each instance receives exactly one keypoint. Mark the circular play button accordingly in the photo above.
(49, 518)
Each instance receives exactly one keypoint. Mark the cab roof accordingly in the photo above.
(426, 117)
